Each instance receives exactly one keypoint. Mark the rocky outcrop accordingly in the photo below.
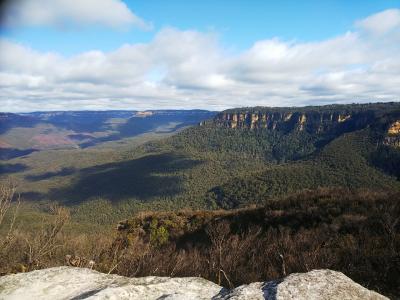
(302, 122)
(79, 283)
(143, 114)
(394, 128)
(317, 284)
(392, 141)
(392, 137)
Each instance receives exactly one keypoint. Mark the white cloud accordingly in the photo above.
(382, 22)
(190, 69)
(67, 13)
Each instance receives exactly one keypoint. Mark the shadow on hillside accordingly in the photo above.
(14, 120)
(48, 175)
(12, 168)
(32, 196)
(10, 153)
(142, 178)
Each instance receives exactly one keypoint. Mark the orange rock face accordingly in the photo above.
(302, 122)
(343, 118)
(394, 128)
(143, 114)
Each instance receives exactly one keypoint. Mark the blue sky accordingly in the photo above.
(238, 23)
(103, 54)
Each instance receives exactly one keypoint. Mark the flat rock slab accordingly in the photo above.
(79, 283)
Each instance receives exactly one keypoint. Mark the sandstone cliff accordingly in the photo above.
(312, 121)
(393, 135)
(318, 121)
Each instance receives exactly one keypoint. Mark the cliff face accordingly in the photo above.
(311, 121)
(323, 120)
(393, 135)
(394, 128)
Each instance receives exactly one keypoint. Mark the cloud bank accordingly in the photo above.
(190, 69)
(60, 13)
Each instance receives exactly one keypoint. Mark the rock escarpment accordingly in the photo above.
(312, 121)
(315, 120)
(324, 122)
(79, 283)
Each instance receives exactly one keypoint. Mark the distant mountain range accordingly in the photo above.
(224, 160)
(21, 133)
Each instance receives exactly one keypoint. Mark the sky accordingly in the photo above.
(154, 54)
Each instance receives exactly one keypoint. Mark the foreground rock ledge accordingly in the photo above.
(79, 283)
